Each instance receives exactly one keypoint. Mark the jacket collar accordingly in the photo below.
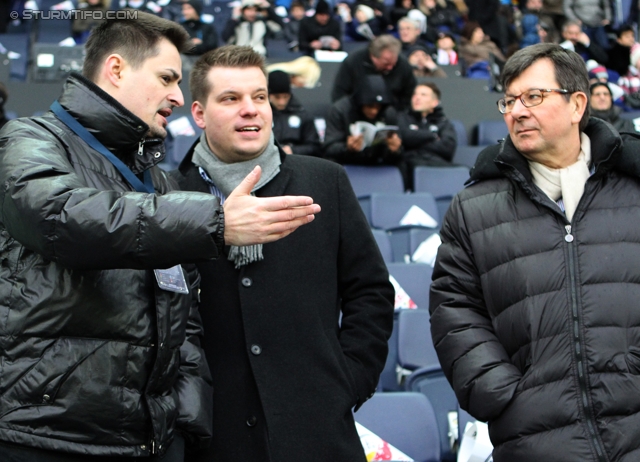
(608, 152)
(117, 128)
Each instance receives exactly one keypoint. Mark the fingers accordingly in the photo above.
(273, 204)
(248, 183)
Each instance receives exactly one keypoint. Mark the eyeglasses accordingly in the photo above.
(529, 98)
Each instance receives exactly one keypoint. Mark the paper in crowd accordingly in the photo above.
(375, 448)
(418, 217)
(372, 134)
(403, 301)
(427, 250)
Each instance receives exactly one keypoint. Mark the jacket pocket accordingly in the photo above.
(40, 383)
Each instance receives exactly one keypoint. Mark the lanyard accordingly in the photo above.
(91, 140)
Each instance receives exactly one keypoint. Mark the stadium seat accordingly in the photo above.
(369, 179)
(389, 376)
(415, 279)
(467, 155)
(432, 382)
(461, 132)
(18, 43)
(388, 209)
(405, 420)
(382, 239)
(491, 131)
(442, 182)
(405, 240)
(415, 347)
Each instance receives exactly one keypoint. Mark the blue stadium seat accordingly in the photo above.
(179, 147)
(467, 155)
(405, 420)
(461, 132)
(491, 131)
(389, 376)
(387, 209)
(18, 43)
(405, 240)
(369, 179)
(442, 182)
(432, 382)
(415, 279)
(382, 239)
(415, 347)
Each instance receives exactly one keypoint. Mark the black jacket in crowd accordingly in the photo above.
(613, 117)
(95, 358)
(311, 30)
(400, 81)
(619, 59)
(296, 340)
(342, 114)
(293, 126)
(429, 140)
(205, 32)
(535, 319)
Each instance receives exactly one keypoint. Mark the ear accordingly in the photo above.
(113, 69)
(579, 104)
(197, 111)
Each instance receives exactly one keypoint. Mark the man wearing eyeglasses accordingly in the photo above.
(535, 296)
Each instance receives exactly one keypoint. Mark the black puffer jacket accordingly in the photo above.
(536, 319)
(94, 357)
(426, 137)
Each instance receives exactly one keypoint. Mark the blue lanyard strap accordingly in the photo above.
(91, 140)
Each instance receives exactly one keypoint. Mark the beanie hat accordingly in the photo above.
(635, 54)
(368, 12)
(372, 89)
(323, 7)
(279, 82)
(596, 70)
(197, 5)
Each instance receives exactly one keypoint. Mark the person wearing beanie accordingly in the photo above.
(602, 106)
(293, 127)
(204, 37)
(370, 103)
(321, 31)
(252, 24)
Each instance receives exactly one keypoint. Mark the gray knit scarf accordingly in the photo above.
(226, 177)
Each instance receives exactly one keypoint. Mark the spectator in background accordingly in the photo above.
(593, 16)
(252, 24)
(291, 28)
(370, 103)
(577, 40)
(295, 333)
(304, 71)
(4, 95)
(442, 16)
(321, 31)
(446, 53)
(554, 9)
(620, 52)
(423, 64)
(487, 14)
(362, 20)
(476, 49)
(204, 37)
(409, 34)
(428, 137)
(401, 9)
(293, 128)
(381, 57)
(81, 25)
(530, 22)
(602, 106)
(630, 82)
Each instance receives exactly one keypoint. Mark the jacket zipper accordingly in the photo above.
(582, 380)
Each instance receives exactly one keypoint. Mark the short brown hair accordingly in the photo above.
(226, 56)
(384, 42)
(434, 88)
(135, 39)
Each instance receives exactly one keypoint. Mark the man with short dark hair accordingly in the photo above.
(321, 31)
(534, 300)
(100, 334)
(293, 128)
(428, 137)
(602, 106)
(298, 337)
(381, 57)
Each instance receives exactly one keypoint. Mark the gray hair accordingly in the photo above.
(570, 70)
(384, 42)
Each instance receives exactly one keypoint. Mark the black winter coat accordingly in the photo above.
(293, 126)
(341, 115)
(400, 81)
(205, 32)
(535, 319)
(613, 117)
(287, 369)
(426, 138)
(94, 357)
(311, 30)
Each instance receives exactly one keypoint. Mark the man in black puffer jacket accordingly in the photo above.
(99, 333)
(535, 291)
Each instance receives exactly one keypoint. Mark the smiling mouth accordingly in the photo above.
(249, 129)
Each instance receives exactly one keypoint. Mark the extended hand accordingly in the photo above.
(258, 220)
